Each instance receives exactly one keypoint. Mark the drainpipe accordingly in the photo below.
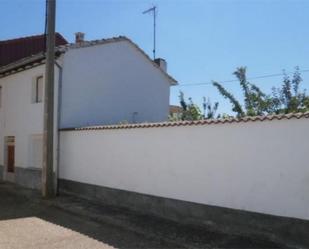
(57, 152)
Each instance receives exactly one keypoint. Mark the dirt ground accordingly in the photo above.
(70, 222)
(32, 232)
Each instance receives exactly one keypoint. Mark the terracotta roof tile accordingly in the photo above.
(111, 40)
(65, 46)
(194, 123)
(17, 49)
(175, 109)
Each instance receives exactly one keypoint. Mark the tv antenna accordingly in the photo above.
(154, 12)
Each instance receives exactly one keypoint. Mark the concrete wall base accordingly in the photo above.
(28, 177)
(289, 230)
(1, 172)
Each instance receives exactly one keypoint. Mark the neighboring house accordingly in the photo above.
(175, 112)
(96, 82)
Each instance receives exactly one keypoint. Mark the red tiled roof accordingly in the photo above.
(117, 39)
(175, 109)
(62, 48)
(16, 49)
(194, 123)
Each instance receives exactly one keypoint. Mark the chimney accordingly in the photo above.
(161, 63)
(79, 37)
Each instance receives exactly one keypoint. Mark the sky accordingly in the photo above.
(201, 40)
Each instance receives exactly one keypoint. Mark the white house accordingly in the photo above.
(96, 82)
(228, 173)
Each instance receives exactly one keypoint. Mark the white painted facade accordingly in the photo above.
(112, 83)
(104, 83)
(21, 118)
(254, 166)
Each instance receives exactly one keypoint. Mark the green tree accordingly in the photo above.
(190, 111)
(209, 109)
(256, 102)
(236, 106)
(285, 99)
(289, 98)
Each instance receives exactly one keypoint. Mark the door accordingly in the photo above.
(11, 158)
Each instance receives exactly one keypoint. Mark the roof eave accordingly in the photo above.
(84, 44)
(21, 63)
(64, 48)
(24, 64)
(173, 82)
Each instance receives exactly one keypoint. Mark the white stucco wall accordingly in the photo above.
(107, 84)
(22, 118)
(259, 166)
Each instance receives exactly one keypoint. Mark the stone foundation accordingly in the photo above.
(291, 231)
(28, 177)
(1, 172)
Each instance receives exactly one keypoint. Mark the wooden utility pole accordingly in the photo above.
(48, 189)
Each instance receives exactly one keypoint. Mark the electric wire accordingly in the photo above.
(235, 80)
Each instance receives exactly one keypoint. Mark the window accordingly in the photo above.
(38, 90)
(0, 96)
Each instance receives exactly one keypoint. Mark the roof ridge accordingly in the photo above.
(27, 38)
(64, 48)
(114, 39)
(194, 122)
(61, 48)
(93, 42)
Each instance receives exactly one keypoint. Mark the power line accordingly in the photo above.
(250, 78)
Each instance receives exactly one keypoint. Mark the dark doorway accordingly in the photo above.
(10, 154)
(11, 158)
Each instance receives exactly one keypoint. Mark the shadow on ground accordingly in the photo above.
(117, 227)
(17, 202)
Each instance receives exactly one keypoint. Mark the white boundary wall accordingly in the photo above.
(254, 166)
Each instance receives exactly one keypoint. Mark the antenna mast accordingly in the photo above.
(154, 12)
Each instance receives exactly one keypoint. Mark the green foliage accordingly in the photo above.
(236, 106)
(190, 111)
(209, 109)
(306, 103)
(286, 99)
